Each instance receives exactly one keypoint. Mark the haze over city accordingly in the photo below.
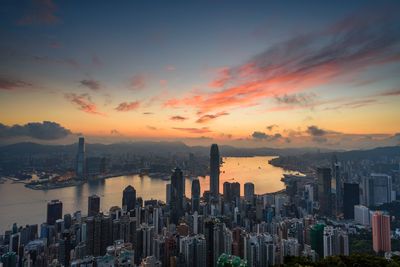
(297, 74)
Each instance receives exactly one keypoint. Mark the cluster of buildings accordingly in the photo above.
(310, 218)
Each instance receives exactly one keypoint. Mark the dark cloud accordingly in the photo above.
(263, 136)
(315, 131)
(9, 84)
(91, 84)
(147, 113)
(178, 118)
(115, 132)
(46, 130)
(83, 102)
(193, 130)
(271, 127)
(302, 99)
(209, 117)
(40, 12)
(128, 106)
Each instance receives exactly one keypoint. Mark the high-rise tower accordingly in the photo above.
(177, 194)
(93, 205)
(129, 198)
(195, 195)
(324, 191)
(214, 170)
(381, 232)
(80, 159)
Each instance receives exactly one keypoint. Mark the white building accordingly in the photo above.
(361, 215)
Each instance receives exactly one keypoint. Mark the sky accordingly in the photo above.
(243, 73)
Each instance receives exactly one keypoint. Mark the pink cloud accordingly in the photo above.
(84, 103)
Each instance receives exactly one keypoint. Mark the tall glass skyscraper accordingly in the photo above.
(214, 170)
(80, 158)
(177, 194)
(195, 195)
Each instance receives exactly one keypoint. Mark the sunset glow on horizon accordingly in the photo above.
(323, 75)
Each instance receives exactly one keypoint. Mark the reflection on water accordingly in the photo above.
(26, 206)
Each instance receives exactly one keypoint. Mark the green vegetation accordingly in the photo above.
(361, 242)
(360, 260)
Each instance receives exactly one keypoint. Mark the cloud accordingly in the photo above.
(115, 132)
(393, 92)
(303, 62)
(209, 117)
(83, 102)
(10, 84)
(301, 99)
(259, 135)
(40, 12)
(138, 81)
(128, 106)
(151, 127)
(147, 113)
(315, 131)
(263, 136)
(178, 118)
(46, 130)
(91, 84)
(194, 130)
(271, 127)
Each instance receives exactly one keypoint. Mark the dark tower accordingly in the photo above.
(93, 205)
(54, 211)
(351, 197)
(80, 159)
(214, 170)
(195, 195)
(129, 198)
(324, 191)
(176, 195)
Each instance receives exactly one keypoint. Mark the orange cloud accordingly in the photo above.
(84, 103)
(178, 118)
(128, 106)
(209, 117)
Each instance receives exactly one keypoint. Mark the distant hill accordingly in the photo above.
(145, 148)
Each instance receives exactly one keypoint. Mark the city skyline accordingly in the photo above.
(312, 75)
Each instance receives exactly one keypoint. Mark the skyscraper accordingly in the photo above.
(80, 159)
(324, 191)
(317, 238)
(214, 170)
(379, 189)
(93, 205)
(195, 195)
(129, 198)
(351, 197)
(336, 176)
(54, 211)
(249, 192)
(177, 195)
(381, 232)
